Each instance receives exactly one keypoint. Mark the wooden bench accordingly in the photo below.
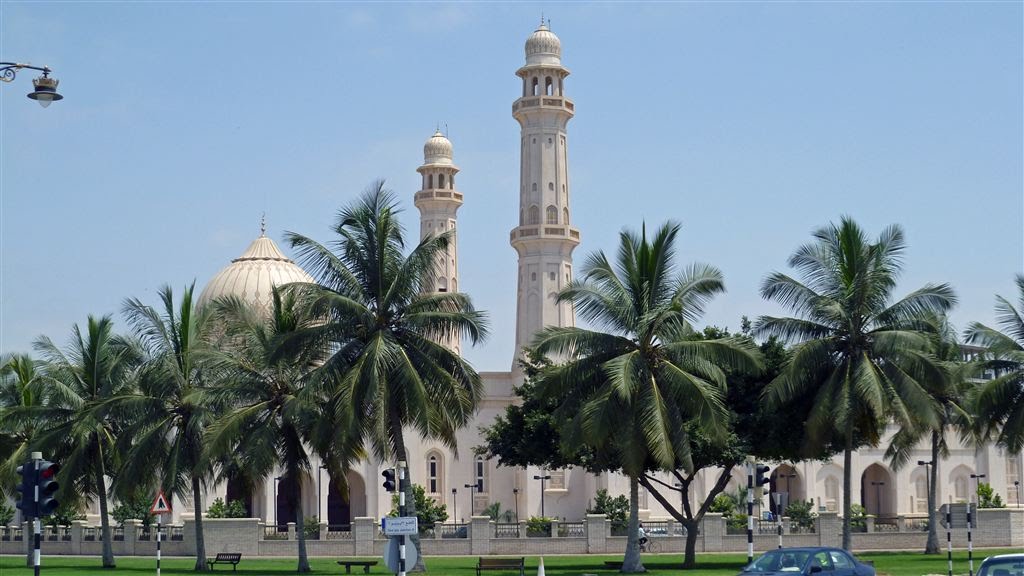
(348, 564)
(232, 558)
(501, 564)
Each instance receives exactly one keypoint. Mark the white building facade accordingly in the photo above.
(544, 241)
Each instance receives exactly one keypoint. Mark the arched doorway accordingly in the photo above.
(239, 488)
(345, 502)
(786, 487)
(285, 504)
(876, 491)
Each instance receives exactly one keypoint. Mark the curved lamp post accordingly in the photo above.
(45, 87)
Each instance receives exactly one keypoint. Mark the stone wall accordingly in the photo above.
(996, 528)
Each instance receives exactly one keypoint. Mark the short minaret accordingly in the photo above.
(438, 202)
(544, 238)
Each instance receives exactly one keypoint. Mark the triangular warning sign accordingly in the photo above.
(160, 505)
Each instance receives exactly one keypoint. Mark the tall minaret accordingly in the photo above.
(438, 202)
(544, 239)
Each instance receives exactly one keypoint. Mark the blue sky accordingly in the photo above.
(749, 123)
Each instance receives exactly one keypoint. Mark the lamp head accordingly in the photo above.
(46, 90)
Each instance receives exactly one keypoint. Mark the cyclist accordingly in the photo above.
(641, 537)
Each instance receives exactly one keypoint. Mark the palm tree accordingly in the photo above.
(636, 381)
(169, 416)
(950, 398)
(19, 392)
(1000, 401)
(382, 330)
(860, 356)
(276, 409)
(79, 430)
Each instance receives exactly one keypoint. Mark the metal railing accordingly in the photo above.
(272, 532)
(572, 529)
(506, 530)
(455, 530)
(339, 532)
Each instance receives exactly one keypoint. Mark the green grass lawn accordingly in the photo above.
(886, 563)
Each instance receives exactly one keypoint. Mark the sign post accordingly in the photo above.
(159, 508)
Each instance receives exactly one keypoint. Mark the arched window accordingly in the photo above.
(552, 214)
(548, 87)
(534, 215)
(960, 489)
(565, 215)
(451, 182)
(434, 473)
(536, 87)
(442, 284)
(534, 186)
(480, 474)
(921, 495)
(831, 494)
(430, 181)
(440, 180)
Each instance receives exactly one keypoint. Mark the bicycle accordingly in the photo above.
(651, 546)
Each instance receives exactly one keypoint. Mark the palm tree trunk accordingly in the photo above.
(410, 499)
(101, 491)
(631, 562)
(300, 524)
(932, 547)
(847, 488)
(197, 504)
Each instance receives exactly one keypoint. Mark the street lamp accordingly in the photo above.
(927, 480)
(515, 494)
(472, 488)
(878, 496)
(455, 506)
(45, 87)
(1016, 487)
(977, 480)
(319, 510)
(277, 480)
(542, 478)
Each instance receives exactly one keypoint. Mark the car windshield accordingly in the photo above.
(1003, 567)
(779, 561)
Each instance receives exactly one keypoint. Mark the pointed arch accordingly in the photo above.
(552, 214)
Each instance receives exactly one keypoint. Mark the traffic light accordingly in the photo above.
(27, 487)
(47, 481)
(759, 475)
(389, 479)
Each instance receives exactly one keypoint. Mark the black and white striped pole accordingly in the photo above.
(750, 512)
(402, 513)
(949, 539)
(158, 517)
(970, 525)
(36, 523)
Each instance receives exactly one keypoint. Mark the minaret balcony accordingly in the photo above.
(438, 195)
(544, 232)
(543, 102)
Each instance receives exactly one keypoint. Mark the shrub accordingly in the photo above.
(801, 513)
(311, 526)
(724, 504)
(6, 513)
(987, 498)
(233, 509)
(134, 508)
(539, 526)
(858, 516)
(615, 509)
(495, 513)
(736, 522)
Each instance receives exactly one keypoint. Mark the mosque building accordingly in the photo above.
(544, 241)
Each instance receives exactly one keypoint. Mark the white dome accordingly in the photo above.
(251, 275)
(437, 150)
(543, 47)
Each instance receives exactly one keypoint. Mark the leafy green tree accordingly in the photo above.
(953, 415)
(279, 411)
(136, 507)
(987, 497)
(615, 509)
(6, 513)
(168, 416)
(857, 354)
(428, 512)
(1000, 401)
(232, 509)
(384, 329)
(641, 377)
(81, 431)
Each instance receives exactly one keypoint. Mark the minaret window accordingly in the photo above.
(536, 87)
(534, 186)
(551, 186)
(430, 181)
(440, 180)
(552, 214)
(534, 214)
(442, 284)
(451, 182)
(565, 215)
(547, 86)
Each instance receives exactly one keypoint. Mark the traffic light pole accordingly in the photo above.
(36, 528)
(750, 512)
(401, 512)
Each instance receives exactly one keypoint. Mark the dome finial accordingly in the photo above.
(263, 225)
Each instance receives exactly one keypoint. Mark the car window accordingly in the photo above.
(1002, 567)
(779, 561)
(822, 559)
(842, 561)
